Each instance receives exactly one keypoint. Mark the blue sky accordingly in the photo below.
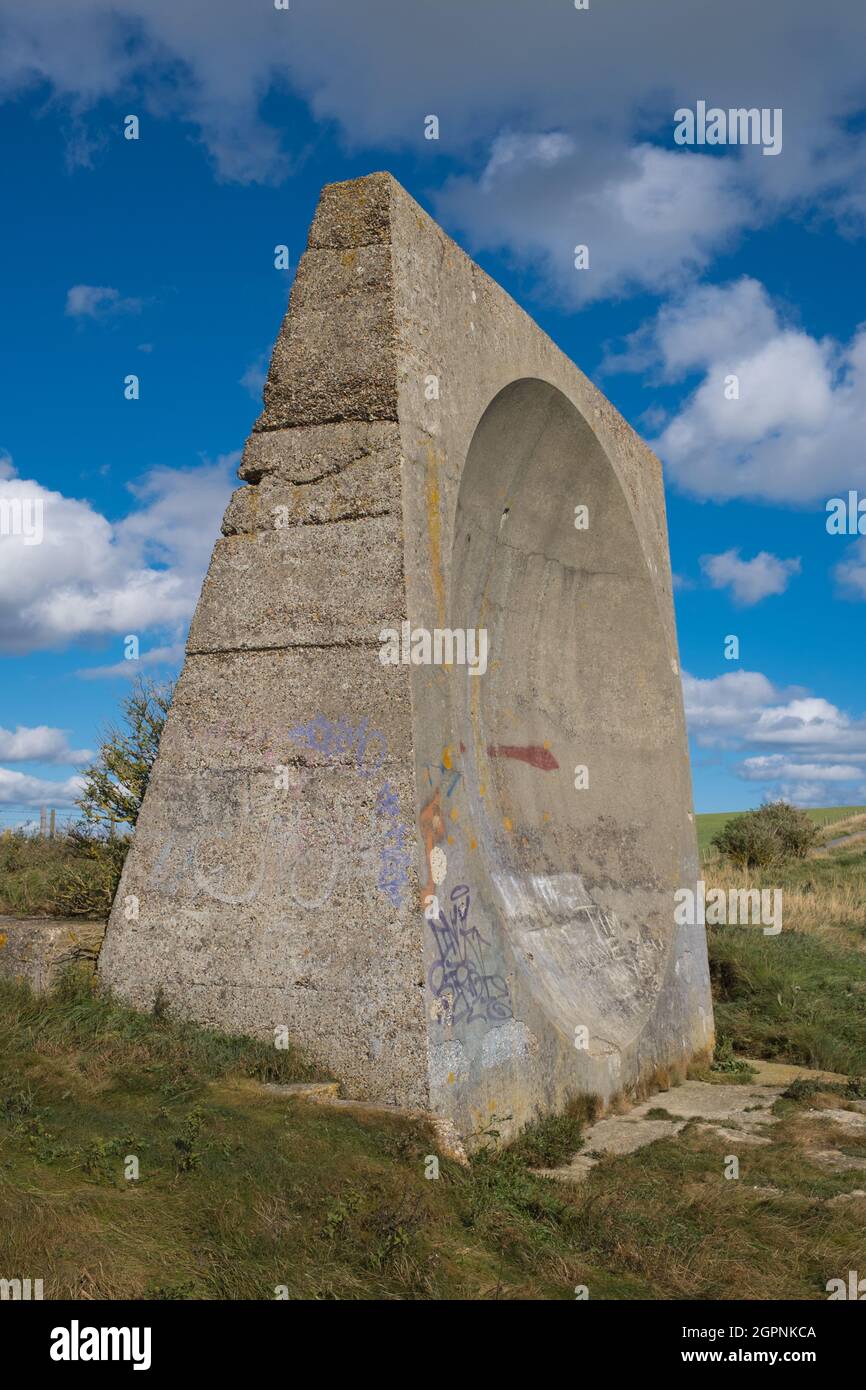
(155, 257)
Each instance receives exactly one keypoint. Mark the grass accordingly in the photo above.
(61, 877)
(241, 1192)
(798, 997)
(789, 998)
(822, 896)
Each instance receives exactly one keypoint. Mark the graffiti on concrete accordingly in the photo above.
(536, 755)
(282, 857)
(291, 854)
(459, 976)
(337, 740)
(366, 749)
(395, 853)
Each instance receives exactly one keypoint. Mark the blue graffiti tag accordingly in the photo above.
(459, 975)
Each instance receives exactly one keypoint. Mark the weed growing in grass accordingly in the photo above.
(187, 1156)
(555, 1138)
(102, 1158)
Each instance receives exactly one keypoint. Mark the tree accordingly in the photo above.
(116, 782)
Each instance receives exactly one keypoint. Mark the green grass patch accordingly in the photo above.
(555, 1139)
(242, 1192)
(71, 875)
(81, 1033)
(789, 998)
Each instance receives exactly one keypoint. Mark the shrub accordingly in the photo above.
(86, 883)
(76, 873)
(795, 831)
(775, 832)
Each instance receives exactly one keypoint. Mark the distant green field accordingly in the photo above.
(711, 822)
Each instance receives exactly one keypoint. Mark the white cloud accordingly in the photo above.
(207, 63)
(17, 789)
(82, 144)
(255, 376)
(850, 573)
(604, 82)
(823, 746)
(692, 333)
(681, 581)
(723, 710)
(128, 670)
(648, 216)
(39, 744)
(98, 302)
(789, 430)
(745, 708)
(90, 577)
(775, 767)
(749, 580)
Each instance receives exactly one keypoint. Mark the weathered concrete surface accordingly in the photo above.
(735, 1114)
(421, 453)
(34, 950)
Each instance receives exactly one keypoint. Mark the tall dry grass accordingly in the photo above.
(821, 896)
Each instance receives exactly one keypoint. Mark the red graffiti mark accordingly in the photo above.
(533, 754)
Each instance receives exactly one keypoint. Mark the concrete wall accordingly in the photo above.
(37, 950)
(423, 897)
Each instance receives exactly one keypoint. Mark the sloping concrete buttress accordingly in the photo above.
(403, 866)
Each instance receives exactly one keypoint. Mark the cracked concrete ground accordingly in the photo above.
(738, 1114)
(730, 1110)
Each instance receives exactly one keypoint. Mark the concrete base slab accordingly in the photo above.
(852, 1120)
(835, 1160)
(733, 1113)
(785, 1073)
(303, 1090)
(35, 950)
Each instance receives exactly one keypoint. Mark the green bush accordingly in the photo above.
(115, 783)
(76, 872)
(87, 883)
(775, 832)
